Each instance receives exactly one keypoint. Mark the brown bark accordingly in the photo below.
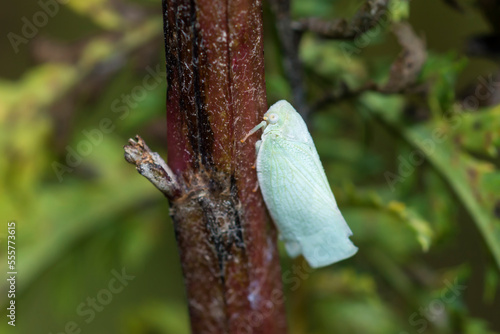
(216, 93)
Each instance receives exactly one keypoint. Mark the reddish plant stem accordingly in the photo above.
(216, 93)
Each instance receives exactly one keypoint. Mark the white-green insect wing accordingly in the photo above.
(296, 190)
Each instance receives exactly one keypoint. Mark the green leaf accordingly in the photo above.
(396, 209)
(478, 132)
(475, 182)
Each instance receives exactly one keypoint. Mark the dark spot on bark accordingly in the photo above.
(214, 230)
(222, 219)
(214, 186)
(234, 188)
(237, 221)
(204, 136)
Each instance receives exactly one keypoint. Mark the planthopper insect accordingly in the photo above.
(296, 190)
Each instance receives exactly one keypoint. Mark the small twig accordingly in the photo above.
(405, 69)
(368, 17)
(152, 167)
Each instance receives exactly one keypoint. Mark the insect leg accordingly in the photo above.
(256, 187)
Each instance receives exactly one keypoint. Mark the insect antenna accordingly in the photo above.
(261, 124)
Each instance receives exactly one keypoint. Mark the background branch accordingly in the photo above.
(370, 15)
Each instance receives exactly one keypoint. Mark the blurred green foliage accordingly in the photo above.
(417, 176)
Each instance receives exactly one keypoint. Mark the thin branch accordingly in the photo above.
(405, 69)
(371, 14)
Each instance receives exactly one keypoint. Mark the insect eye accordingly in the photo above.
(273, 118)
